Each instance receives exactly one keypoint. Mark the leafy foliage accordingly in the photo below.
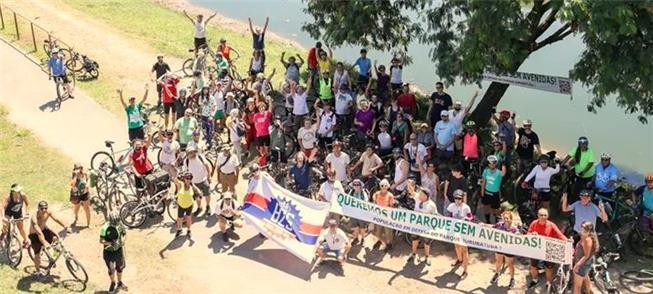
(470, 37)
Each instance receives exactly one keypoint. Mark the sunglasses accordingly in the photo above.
(543, 215)
(385, 186)
(356, 185)
(585, 195)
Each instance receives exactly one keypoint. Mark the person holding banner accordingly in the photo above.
(544, 227)
(460, 210)
(330, 188)
(384, 198)
(335, 241)
(358, 226)
(502, 259)
(424, 205)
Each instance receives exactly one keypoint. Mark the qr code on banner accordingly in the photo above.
(564, 86)
(554, 251)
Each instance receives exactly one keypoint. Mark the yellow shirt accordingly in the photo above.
(324, 64)
(185, 197)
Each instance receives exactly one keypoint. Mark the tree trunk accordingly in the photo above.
(483, 111)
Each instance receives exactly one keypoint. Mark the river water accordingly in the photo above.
(558, 119)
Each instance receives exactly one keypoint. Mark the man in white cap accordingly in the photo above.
(201, 171)
(457, 116)
(445, 134)
(335, 241)
(227, 212)
(228, 165)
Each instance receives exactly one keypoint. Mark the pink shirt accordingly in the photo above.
(262, 121)
(470, 146)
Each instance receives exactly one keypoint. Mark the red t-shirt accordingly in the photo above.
(169, 90)
(262, 121)
(547, 229)
(312, 58)
(142, 164)
(408, 102)
(225, 51)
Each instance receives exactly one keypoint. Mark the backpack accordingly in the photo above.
(240, 129)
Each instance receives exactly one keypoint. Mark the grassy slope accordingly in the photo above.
(43, 173)
(170, 31)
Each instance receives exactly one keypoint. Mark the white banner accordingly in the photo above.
(553, 84)
(456, 231)
(288, 219)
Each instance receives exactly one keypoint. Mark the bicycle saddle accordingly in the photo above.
(108, 143)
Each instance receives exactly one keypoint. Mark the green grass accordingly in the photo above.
(170, 32)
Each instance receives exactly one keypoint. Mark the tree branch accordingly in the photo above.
(550, 19)
(560, 34)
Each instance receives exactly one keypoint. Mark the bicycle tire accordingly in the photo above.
(44, 257)
(118, 198)
(131, 215)
(634, 281)
(59, 89)
(187, 67)
(47, 49)
(98, 204)
(172, 209)
(639, 276)
(76, 269)
(100, 157)
(14, 250)
(74, 65)
(518, 192)
(641, 241)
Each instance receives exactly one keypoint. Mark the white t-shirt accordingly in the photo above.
(369, 162)
(399, 176)
(542, 177)
(308, 137)
(339, 163)
(219, 100)
(385, 141)
(197, 168)
(200, 28)
(460, 212)
(299, 104)
(427, 207)
(457, 119)
(227, 210)
(342, 103)
(327, 120)
(417, 153)
(230, 166)
(169, 151)
(340, 78)
(336, 240)
(328, 190)
(395, 74)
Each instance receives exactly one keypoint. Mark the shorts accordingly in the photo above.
(76, 197)
(425, 241)
(36, 243)
(228, 218)
(362, 80)
(263, 140)
(182, 212)
(356, 223)
(219, 114)
(307, 152)
(544, 196)
(139, 182)
(339, 252)
(395, 87)
(169, 107)
(199, 42)
(584, 269)
(115, 260)
(136, 133)
(547, 264)
(10, 214)
(204, 188)
(491, 199)
(228, 180)
(64, 78)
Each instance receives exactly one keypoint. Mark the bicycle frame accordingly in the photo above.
(147, 202)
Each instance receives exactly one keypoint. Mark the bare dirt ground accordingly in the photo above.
(158, 263)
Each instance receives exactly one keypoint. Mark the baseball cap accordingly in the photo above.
(191, 148)
(16, 188)
(444, 113)
(458, 103)
(458, 194)
(333, 222)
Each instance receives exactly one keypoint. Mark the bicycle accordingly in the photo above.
(110, 158)
(639, 239)
(80, 63)
(62, 94)
(600, 274)
(48, 45)
(133, 213)
(13, 247)
(561, 279)
(110, 189)
(640, 281)
(58, 249)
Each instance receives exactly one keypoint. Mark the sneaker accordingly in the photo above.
(188, 233)
(532, 284)
(411, 258)
(382, 247)
(178, 233)
(225, 237)
(463, 276)
(112, 287)
(197, 212)
(494, 278)
(512, 283)
(122, 286)
(457, 263)
(208, 210)
(427, 261)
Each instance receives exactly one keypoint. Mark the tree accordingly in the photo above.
(470, 37)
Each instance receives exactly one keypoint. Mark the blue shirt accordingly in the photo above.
(445, 132)
(364, 65)
(584, 213)
(603, 176)
(302, 176)
(57, 65)
(647, 199)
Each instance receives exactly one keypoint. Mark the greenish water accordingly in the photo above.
(558, 120)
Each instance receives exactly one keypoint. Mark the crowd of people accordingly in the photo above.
(403, 151)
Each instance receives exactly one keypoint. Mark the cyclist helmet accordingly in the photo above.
(492, 159)
(396, 152)
(114, 218)
(527, 122)
(605, 155)
(470, 124)
(583, 140)
(543, 158)
(648, 178)
(585, 192)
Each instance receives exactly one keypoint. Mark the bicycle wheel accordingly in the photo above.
(14, 250)
(280, 111)
(636, 281)
(97, 204)
(74, 65)
(118, 198)
(103, 157)
(45, 260)
(132, 214)
(187, 67)
(59, 88)
(76, 269)
(94, 73)
(641, 242)
(172, 209)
